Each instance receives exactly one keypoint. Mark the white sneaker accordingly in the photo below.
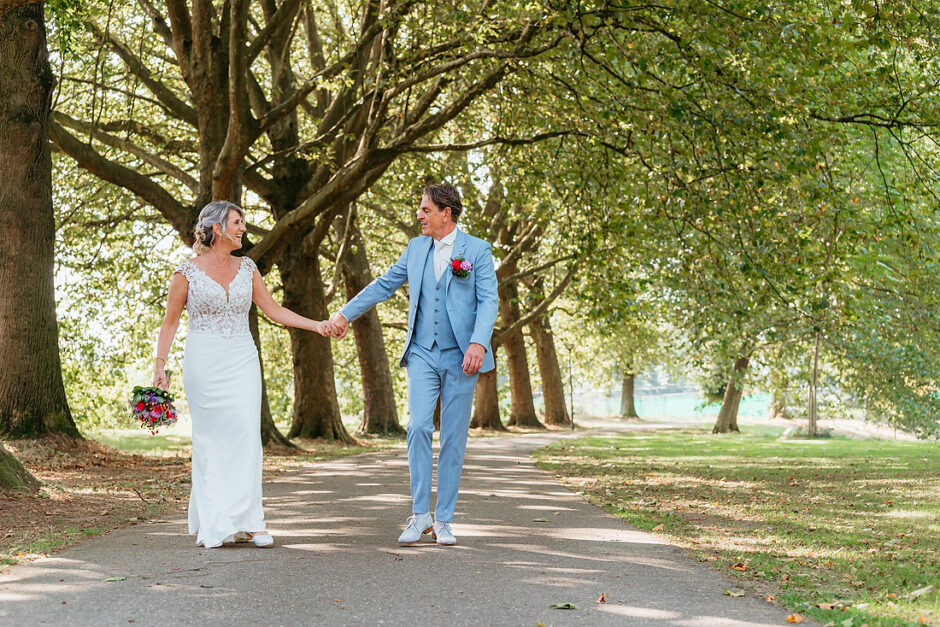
(262, 540)
(417, 525)
(443, 534)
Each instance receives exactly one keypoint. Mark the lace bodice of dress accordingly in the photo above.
(211, 310)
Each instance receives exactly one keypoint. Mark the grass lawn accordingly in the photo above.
(845, 532)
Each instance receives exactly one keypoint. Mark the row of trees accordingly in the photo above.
(742, 187)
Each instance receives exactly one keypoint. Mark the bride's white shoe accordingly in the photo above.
(262, 540)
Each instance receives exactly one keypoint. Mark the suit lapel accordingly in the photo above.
(416, 265)
(460, 245)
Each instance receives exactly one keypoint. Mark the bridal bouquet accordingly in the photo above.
(153, 408)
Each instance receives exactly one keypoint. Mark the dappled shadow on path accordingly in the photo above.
(524, 543)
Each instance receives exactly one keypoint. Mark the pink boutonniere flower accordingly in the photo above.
(460, 267)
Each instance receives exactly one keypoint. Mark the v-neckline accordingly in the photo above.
(232, 280)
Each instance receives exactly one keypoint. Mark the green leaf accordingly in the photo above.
(114, 579)
(563, 606)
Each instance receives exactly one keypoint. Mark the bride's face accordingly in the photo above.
(234, 229)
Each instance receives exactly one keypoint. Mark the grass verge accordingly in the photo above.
(846, 532)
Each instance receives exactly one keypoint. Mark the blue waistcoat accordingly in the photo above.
(432, 323)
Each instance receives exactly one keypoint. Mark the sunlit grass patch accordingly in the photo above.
(850, 523)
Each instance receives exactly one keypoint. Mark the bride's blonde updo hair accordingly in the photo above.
(212, 214)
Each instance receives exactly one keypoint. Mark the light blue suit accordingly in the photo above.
(434, 363)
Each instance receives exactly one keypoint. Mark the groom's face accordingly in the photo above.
(432, 218)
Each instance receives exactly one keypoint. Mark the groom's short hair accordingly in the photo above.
(444, 195)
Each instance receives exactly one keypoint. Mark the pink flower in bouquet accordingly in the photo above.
(465, 265)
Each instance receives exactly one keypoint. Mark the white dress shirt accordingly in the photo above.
(442, 253)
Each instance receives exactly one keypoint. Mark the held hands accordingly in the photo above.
(473, 359)
(339, 325)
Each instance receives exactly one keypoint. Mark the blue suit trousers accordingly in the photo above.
(434, 373)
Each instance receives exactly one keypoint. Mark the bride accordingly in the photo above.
(222, 377)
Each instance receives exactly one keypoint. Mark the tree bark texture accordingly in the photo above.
(486, 401)
(380, 415)
(728, 414)
(32, 394)
(627, 398)
(522, 411)
(12, 474)
(316, 409)
(269, 431)
(553, 388)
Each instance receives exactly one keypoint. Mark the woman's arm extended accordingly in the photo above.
(281, 315)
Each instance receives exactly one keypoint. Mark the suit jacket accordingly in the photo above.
(472, 302)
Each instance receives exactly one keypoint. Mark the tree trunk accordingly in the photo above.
(553, 388)
(522, 409)
(380, 415)
(486, 401)
(32, 394)
(316, 410)
(728, 415)
(627, 399)
(811, 426)
(269, 431)
(12, 474)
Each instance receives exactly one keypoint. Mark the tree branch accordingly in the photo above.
(174, 104)
(129, 147)
(179, 216)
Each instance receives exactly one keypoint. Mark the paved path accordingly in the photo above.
(337, 563)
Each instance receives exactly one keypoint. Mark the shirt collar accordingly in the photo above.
(447, 240)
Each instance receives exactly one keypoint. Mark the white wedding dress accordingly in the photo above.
(222, 380)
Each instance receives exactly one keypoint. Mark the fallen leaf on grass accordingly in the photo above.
(826, 606)
(603, 598)
(794, 618)
(742, 566)
(563, 606)
(540, 520)
(923, 620)
(114, 579)
(919, 592)
(733, 593)
(659, 527)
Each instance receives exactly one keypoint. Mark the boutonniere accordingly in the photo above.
(460, 267)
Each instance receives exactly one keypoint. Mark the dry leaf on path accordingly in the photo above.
(734, 593)
(794, 618)
(603, 598)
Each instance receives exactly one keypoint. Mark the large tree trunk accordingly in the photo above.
(522, 408)
(486, 401)
(553, 388)
(728, 415)
(269, 431)
(12, 474)
(380, 415)
(32, 394)
(316, 410)
(627, 399)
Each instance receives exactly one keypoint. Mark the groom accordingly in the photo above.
(451, 312)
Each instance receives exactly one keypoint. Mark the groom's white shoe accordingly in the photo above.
(443, 534)
(417, 525)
